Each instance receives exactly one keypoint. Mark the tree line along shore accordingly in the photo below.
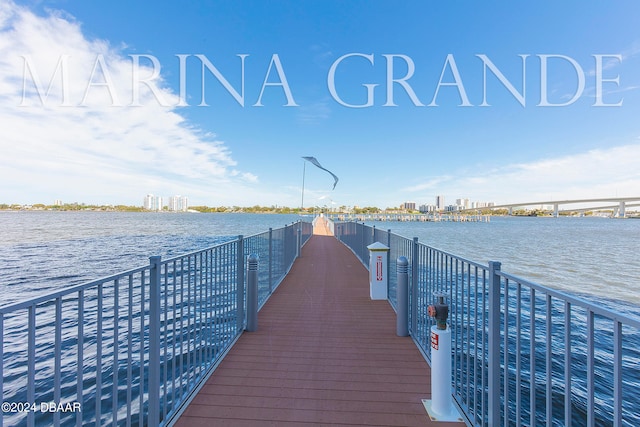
(272, 209)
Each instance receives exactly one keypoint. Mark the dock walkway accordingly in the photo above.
(324, 354)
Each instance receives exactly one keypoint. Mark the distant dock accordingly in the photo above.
(403, 217)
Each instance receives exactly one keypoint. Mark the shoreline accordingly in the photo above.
(296, 211)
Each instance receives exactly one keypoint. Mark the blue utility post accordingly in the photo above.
(252, 293)
(402, 319)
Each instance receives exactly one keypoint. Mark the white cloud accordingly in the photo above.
(314, 113)
(82, 139)
(430, 184)
(606, 172)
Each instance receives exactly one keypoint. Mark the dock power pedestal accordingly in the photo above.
(440, 407)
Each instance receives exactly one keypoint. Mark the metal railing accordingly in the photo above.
(522, 353)
(131, 348)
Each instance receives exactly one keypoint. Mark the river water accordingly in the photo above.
(41, 251)
(44, 251)
(596, 258)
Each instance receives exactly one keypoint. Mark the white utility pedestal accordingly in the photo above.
(440, 407)
(378, 274)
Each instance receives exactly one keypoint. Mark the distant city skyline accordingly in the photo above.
(440, 205)
(104, 102)
(626, 207)
(176, 203)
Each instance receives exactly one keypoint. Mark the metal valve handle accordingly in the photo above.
(439, 310)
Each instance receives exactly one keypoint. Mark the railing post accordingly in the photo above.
(270, 260)
(402, 292)
(363, 244)
(31, 361)
(494, 345)
(299, 240)
(252, 293)
(154, 341)
(240, 293)
(414, 286)
(389, 264)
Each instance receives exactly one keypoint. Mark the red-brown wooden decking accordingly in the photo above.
(324, 354)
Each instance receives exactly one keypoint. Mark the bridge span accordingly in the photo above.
(619, 209)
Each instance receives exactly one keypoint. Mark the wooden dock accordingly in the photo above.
(324, 354)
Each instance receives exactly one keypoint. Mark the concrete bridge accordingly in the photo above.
(620, 206)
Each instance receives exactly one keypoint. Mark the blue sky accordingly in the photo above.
(433, 125)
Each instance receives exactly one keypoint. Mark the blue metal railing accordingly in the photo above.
(131, 348)
(522, 354)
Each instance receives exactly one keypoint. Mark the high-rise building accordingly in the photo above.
(439, 203)
(426, 208)
(409, 206)
(178, 203)
(463, 203)
(152, 203)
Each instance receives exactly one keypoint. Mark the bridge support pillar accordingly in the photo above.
(555, 210)
(621, 210)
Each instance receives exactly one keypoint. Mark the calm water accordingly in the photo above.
(42, 251)
(594, 257)
(45, 251)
